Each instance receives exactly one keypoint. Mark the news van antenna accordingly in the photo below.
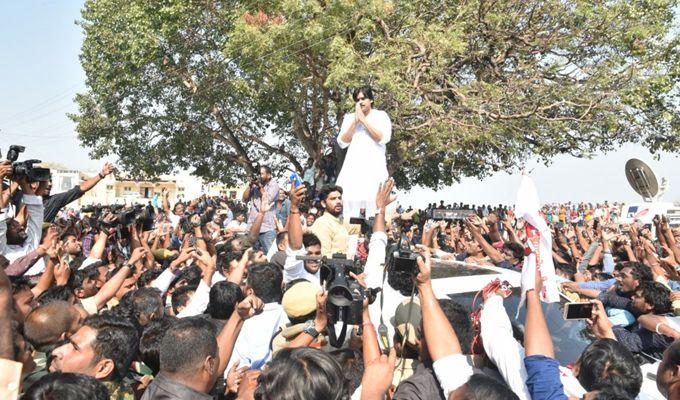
(643, 180)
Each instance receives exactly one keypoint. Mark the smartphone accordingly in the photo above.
(295, 179)
(578, 310)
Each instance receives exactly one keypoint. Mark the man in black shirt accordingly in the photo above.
(53, 204)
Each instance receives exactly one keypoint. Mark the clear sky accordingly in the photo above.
(40, 69)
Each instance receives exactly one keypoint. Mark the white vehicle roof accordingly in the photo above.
(444, 287)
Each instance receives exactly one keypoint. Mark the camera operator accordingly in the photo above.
(16, 242)
(253, 194)
(52, 204)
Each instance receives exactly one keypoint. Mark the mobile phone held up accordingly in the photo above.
(295, 179)
(578, 311)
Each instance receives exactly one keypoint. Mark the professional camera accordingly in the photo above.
(345, 295)
(255, 177)
(186, 221)
(146, 218)
(449, 215)
(403, 259)
(365, 224)
(25, 168)
(94, 209)
(125, 216)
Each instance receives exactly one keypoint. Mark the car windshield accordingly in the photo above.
(570, 338)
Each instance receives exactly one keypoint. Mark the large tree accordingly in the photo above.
(472, 86)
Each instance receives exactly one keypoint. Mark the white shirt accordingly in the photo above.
(237, 226)
(365, 165)
(253, 346)
(295, 269)
(374, 278)
(34, 206)
(198, 302)
(452, 371)
(174, 219)
(502, 348)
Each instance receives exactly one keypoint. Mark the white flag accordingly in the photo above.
(539, 243)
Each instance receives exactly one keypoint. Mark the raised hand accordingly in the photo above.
(321, 318)
(137, 254)
(61, 273)
(378, 373)
(204, 260)
(424, 265)
(250, 306)
(234, 376)
(297, 194)
(599, 322)
(107, 169)
(384, 196)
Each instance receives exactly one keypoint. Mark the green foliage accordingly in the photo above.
(472, 87)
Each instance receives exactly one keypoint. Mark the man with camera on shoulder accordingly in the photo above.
(253, 195)
(15, 240)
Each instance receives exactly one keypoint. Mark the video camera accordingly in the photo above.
(449, 215)
(187, 225)
(255, 177)
(141, 214)
(366, 224)
(21, 169)
(404, 260)
(345, 295)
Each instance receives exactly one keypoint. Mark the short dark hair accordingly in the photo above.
(265, 279)
(280, 237)
(180, 297)
(566, 268)
(352, 366)
(367, 91)
(482, 387)
(78, 277)
(310, 239)
(640, 271)
(150, 342)
(20, 284)
(145, 303)
(606, 361)
(67, 385)
(192, 275)
(186, 344)
(459, 318)
(656, 295)
(266, 168)
(56, 293)
(302, 373)
(147, 277)
(516, 249)
(609, 392)
(117, 339)
(223, 299)
(328, 189)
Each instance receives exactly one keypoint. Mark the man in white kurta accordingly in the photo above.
(365, 132)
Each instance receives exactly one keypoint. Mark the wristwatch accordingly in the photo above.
(310, 329)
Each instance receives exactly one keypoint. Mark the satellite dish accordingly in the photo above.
(642, 179)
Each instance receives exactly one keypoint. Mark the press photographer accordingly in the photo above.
(253, 195)
(15, 240)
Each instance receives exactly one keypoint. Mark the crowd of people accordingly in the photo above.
(215, 298)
